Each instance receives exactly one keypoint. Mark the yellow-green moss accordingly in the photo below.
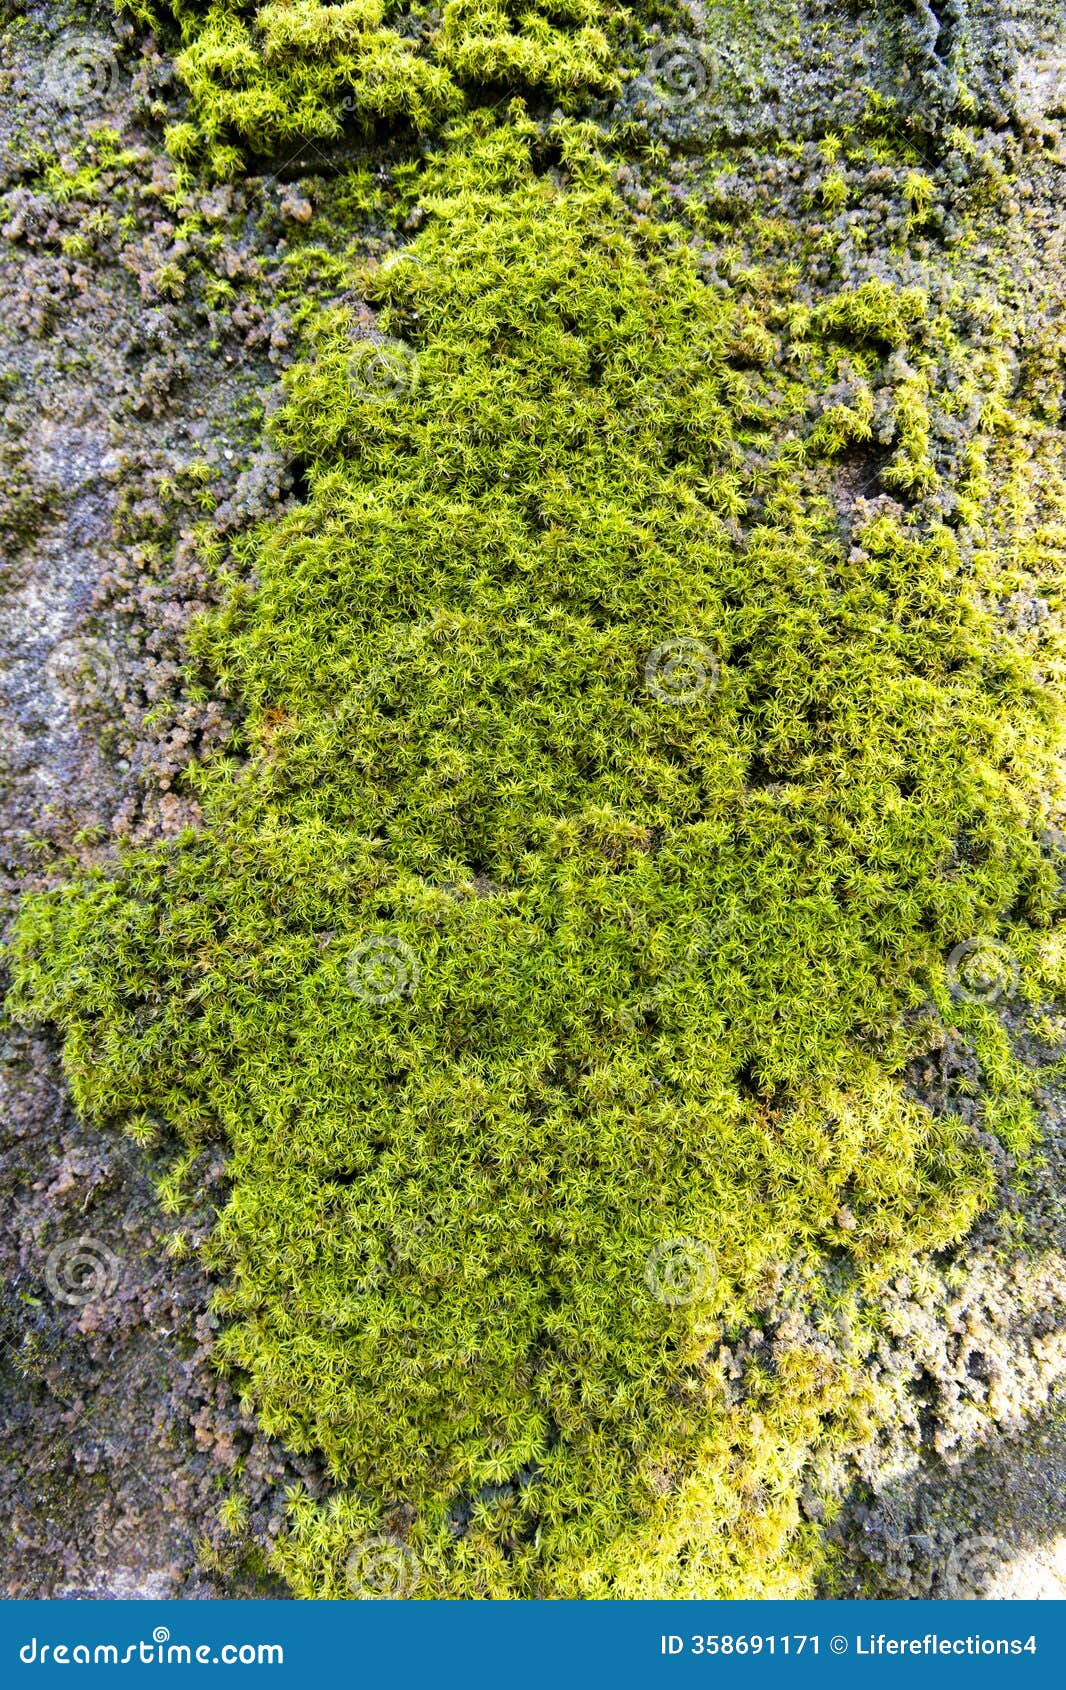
(606, 828)
(267, 76)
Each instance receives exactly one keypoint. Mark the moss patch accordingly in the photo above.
(268, 76)
(607, 827)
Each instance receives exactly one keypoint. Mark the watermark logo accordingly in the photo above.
(81, 1270)
(382, 371)
(160, 1651)
(681, 72)
(681, 1270)
(382, 969)
(681, 670)
(80, 71)
(380, 1569)
(982, 970)
(83, 664)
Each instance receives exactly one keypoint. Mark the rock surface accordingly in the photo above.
(132, 394)
(119, 401)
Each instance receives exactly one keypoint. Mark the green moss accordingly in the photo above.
(841, 426)
(551, 956)
(834, 191)
(876, 311)
(266, 76)
(919, 193)
(911, 469)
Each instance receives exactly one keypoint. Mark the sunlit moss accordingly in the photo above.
(606, 826)
(266, 76)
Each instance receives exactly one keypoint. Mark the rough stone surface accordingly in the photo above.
(119, 370)
(120, 1440)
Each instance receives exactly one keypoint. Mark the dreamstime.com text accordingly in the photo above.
(160, 1651)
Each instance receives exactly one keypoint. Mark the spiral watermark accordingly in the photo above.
(383, 370)
(80, 1270)
(681, 71)
(83, 664)
(679, 671)
(380, 1569)
(80, 71)
(972, 1565)
(681, 1270)
(982, 970)
(382, 969)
